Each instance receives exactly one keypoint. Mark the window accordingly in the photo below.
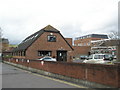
(91, 56)
(88, 43)
(44, 53)
(52, 38)
(23, 53)
(99, 56)
(96, 57)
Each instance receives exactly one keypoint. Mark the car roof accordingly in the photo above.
(101, 54)
(47, 57)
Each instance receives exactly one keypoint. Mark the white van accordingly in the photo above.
(99, 58)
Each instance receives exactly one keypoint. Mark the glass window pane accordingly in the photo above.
(52, 38)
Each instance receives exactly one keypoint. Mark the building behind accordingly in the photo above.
(109, 46)
(46, 42)
(4, 44)
(86, 40)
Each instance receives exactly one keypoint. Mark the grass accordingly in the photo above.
(12, 45)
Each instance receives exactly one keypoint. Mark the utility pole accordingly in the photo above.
(118, 45)
(0, 43)
(118, 51)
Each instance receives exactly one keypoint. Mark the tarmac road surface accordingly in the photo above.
(13, 77)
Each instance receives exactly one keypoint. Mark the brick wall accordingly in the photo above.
(84, 41)
(81, 50)
(69, 40)
(99, 73)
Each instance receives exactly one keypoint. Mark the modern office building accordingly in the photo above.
(86, 40)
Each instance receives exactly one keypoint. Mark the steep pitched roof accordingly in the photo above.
(30, 39)
(50, 28)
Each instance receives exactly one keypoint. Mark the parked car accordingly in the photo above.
(83, 57)
(99, 58)
(46, 58)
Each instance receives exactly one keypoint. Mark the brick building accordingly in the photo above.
(47, 41)
(86, 40)
(81, 51)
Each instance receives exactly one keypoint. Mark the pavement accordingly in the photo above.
(13, 77)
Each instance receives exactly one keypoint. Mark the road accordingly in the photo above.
(13, 77)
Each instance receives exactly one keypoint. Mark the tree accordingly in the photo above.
(0, 32)
(113, 35)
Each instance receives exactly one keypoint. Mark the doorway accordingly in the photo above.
(61, 55)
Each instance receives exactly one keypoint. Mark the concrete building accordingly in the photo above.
(47, 41)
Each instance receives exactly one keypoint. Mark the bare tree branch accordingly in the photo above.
(113, 35)
(0, 32)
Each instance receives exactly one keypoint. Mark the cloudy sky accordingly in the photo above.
(74, 18)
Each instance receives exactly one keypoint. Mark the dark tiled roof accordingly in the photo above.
(30, 39)
(49, 28)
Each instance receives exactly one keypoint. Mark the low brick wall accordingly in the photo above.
(108, 75)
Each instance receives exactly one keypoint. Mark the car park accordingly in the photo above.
(46, 58)
(99, 58)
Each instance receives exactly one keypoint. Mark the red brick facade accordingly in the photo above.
(69, 40)
(85, 42)
(41, 43)
(81, 50)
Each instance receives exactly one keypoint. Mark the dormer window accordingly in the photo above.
(51, 38)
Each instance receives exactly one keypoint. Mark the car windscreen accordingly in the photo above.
(107, 56)
(99, 56)
(90, 57)
(47, 58)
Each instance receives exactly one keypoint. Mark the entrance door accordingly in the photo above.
(61, 55)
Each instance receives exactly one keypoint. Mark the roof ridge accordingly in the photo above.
(30, 39)
(50, 28)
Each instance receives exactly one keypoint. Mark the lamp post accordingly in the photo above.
(118, 43)
(118, 51)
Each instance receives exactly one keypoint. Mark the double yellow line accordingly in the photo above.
(61, 81)
(68, 83)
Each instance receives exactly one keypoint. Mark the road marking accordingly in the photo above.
(68, 83)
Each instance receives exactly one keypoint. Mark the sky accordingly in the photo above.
(73, 18)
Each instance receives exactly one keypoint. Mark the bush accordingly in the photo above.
(7, 56)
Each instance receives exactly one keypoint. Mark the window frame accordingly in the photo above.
(44, 51)
(51, 36)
